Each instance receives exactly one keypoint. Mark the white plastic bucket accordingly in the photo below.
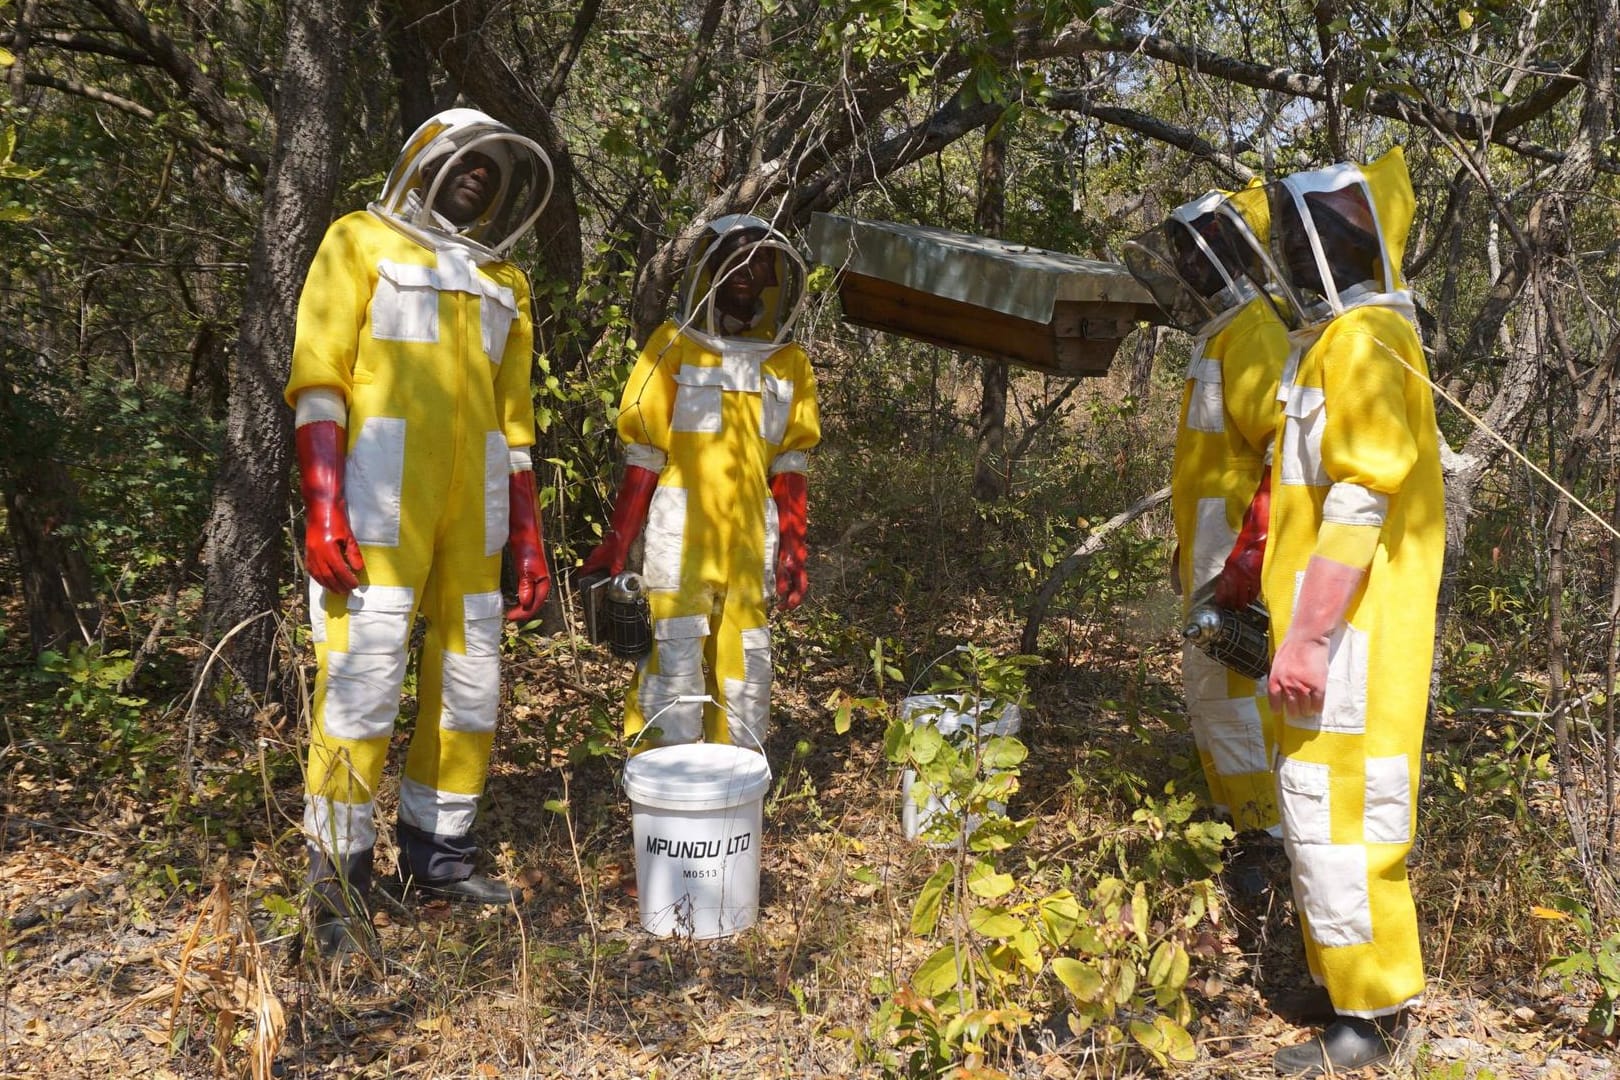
(945, 713)
(696, 813)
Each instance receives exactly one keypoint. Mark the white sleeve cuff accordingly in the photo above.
(1352, 504)
(321, 403)
(645, 457)
(518, 459)
(790, 461)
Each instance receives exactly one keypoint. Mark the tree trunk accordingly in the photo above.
(40, 499)
(246, 530)
(38, 491)
(464, 37)
(992, 471)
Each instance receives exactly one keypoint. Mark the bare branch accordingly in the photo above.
(200, 89)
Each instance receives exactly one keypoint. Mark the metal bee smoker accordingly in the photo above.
(616, 613)
(1234, 639)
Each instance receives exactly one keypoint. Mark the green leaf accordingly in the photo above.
(938, 974)
(1060, 914)
(7, 58)
(897, 740)
(983, 880)
(1003, 752)
(925, 744)
(994, 922)
(1083, 980)
(925, 912)
(1169, 966)
(557, 806)
(841, 720)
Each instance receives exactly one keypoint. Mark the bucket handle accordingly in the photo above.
(702, 699)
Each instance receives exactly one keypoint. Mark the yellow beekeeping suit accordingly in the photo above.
(422, 339)
(1228, 413)
(715, 417)
(1356, 480)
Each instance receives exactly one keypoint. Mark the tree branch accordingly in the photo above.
(225, 157)
(200, 89)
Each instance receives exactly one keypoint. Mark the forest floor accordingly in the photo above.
(149, 915)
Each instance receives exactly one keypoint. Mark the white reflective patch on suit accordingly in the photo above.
(362, 694)
(739, 369)
(1300, 448)
(748, 712)
(441, 813)
(319, 403)
(339, 828)
(775, 404)
(1387, 805)
(642, 456)
(373, 477)
(1344, 701)
(1344, 698)
(1307, 811)
(497, 493)
(405, 303)
(773, 543)
(1206, 407)
(1237, 742)
(1353, 504)
(659, 697)
(1330, 887)
(790, 461)
(471, 692)
(680, 644)
(481, 623)
(1202, 679)
(497, 307)
(697, 402)
(756, 651)
(379, 618)
(317, 612)
(1213, 538)
(664, 538)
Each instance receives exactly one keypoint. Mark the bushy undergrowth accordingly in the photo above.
(1087, 914)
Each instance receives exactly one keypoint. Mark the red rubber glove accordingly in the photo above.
(1299, 670)
(331, 553)
(528, 558)
(792, 494)
(1238, 583)
(629, 515)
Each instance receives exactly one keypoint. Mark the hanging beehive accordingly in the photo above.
(1055, 313)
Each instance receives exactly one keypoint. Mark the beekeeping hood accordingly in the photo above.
(779, 306)
(525, 184)
(1338, 236)
(1202, 265)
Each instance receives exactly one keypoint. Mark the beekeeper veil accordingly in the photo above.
(1197, 271)
(425, 163)
(727, 246)
(1338, 236)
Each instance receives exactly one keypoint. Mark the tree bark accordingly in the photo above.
(463, 37)
(992, 471)
(246, 530)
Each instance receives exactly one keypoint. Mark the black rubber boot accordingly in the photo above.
(442, 866)
(473, 889)
(1252, 862)
(1348, 1043)
(340, 904)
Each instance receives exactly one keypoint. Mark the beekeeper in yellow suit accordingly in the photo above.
(1351, 577)
(717, 418)
(410, 377)
(1201, 266)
